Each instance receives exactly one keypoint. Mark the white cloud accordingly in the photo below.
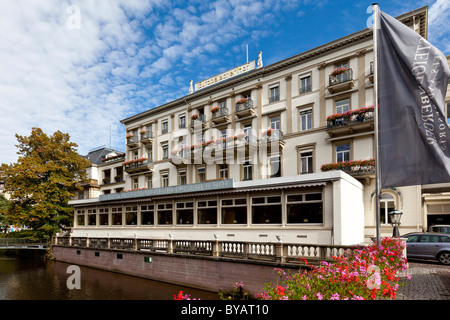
(439, 26)
(126, 57)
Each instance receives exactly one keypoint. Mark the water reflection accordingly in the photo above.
(35, 279)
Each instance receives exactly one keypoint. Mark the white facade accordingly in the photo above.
(295, 97)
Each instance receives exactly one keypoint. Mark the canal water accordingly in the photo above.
(29, 277)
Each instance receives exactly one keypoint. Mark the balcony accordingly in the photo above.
(244, 108)
(198, 121)
(351, 122)
(354, 168)
(340, 80)
(146, 137)
(132, 141)
(138, 165)
(271, 136)
(220, 115)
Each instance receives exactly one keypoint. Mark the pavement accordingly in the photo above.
(429, 281)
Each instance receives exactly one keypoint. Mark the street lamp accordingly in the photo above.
(395, 216)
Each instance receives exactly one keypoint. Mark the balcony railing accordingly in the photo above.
(351, 167)
(132, 141)
(244, 108)
(138, 165)
(198, 119)
(350, 117)
(341, 81)
(267, 251)
(220, 116)
(147, 137)
(272, 136)
(342, 77)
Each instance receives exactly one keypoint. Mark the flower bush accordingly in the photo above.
(348, 114)
(181, 296)
(134, 161)
(347, 164)
(338, 71)
(241, 101)
(367, 273)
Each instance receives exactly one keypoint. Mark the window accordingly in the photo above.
(182, 123)
(234, 211)
(201, 174)
(306, 162)
(207, 212)
(185, 212)
(131, 215)
(306, 119)
(387, 204)
(80, 217)
(223, 136)
(165, 151)
(342, 105)
(275, 123)
(182, 177)
(305, 84)
(412, 238)
(149, 180)
(429, 238)
(223, 171)
(92, 217)
(343, 153)
(135, 183)
(147, 215)
(274, 93)
(248, 171)
(116, 216)
(165, 126)
(222, 104)
(164, 179)
(304, 208)
(103, 216)
(150, 154)
(165, 214)
(266, 209)
(275, 167)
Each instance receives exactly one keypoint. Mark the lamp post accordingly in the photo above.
(395, 216)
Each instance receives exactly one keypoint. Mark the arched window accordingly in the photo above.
(387, 204)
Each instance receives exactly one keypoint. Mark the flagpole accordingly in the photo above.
(376, 26)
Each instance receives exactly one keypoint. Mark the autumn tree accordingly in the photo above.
(43, 180)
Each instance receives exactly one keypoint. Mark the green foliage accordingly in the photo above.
(42, 182)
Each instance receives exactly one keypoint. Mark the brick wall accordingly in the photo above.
(205, 273)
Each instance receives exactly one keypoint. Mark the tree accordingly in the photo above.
(42, 182)
(3, 218)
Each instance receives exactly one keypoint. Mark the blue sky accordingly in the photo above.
(81, 66)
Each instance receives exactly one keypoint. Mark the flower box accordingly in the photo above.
(338, 71)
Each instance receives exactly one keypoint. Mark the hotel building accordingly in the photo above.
(263, 153)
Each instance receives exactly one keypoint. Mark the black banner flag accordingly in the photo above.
(414, 138)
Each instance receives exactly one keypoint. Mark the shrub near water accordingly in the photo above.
(367, 273)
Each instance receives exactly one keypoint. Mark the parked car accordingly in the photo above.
(428, 245)
(442, 228)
